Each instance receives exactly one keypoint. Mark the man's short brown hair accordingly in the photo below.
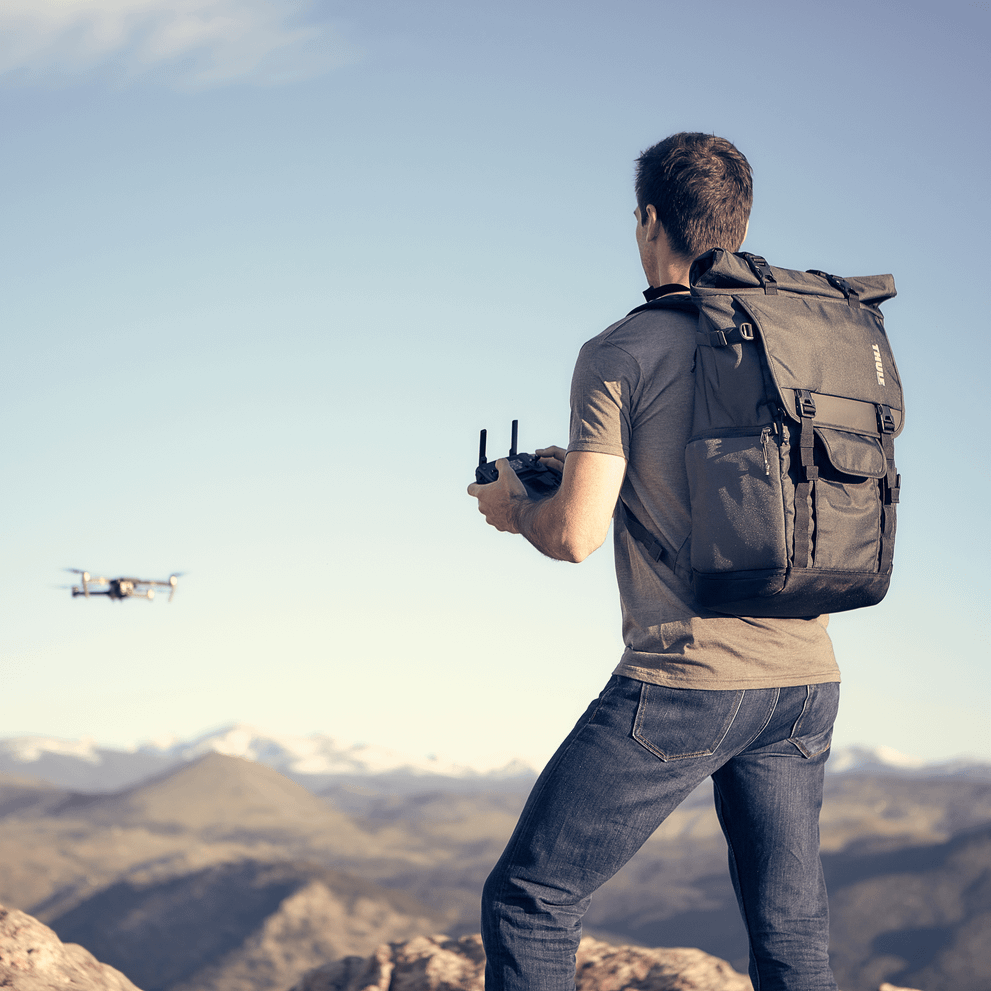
(701, 188)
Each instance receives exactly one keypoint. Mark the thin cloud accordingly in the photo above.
(187, 43)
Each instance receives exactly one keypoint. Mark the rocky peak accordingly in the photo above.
(33, 958)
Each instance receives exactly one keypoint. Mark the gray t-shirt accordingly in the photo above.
(632, 396)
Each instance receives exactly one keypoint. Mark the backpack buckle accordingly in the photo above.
(804, 403)
(760, 268)
(885, 419)
(849, 293)
(747, 331)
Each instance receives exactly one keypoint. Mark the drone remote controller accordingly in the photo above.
(539, 479)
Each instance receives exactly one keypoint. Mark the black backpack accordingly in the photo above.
(791, 465)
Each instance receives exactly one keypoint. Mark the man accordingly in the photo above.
(749, 702)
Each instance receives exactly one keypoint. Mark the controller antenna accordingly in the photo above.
(512, 446)
(481, 447)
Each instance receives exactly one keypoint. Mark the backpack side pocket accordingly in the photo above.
(739, 546)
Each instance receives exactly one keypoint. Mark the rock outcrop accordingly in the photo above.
(33, 958)
(437, 963)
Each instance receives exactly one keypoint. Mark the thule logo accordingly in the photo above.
(877, 364)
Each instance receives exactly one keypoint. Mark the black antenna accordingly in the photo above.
(481, 447)
(512, 446)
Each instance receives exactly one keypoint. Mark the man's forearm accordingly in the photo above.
(542, 523)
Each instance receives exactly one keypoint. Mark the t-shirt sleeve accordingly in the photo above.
(602, 387)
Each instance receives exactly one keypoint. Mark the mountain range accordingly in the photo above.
(318, 760)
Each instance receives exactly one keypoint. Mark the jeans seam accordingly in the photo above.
(767, 719)
(793, 737)
(805, 709)
(742, 904)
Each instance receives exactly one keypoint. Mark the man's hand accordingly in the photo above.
(551, 456)
(568, 525)
(499, 501)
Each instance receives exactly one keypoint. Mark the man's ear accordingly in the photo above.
(651, 222)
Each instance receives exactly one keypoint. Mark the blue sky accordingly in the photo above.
(268, 267)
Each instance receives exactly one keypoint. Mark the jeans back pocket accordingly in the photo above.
(675, 723)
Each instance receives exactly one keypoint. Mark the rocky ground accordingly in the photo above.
(436, 963)
(33, 958)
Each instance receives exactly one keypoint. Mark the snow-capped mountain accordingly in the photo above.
(323, 755)
(886, 760)
(312, 760)
(872, 759)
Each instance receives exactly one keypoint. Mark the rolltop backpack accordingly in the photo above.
(790, 463)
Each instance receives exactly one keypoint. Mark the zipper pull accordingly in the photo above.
(765, 436)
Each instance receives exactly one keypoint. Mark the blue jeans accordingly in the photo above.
(636, 753)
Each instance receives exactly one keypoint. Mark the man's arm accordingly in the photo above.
(573, 522)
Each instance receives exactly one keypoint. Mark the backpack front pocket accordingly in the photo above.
(846, 501)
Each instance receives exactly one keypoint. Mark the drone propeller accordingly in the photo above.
(85, 576)
(174, 581)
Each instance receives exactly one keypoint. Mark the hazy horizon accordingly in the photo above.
(311, 750)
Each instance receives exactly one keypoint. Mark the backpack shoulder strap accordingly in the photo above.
(669, 297)
(656, 551)
(668, 302)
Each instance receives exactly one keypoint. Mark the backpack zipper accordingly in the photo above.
(765, 436)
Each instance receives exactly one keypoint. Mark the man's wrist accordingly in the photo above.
(528, 519)
(520, 513)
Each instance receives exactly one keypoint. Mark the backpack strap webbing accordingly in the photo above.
(656, 551)
(891, 489)
(763, 272)
(851, 295)
(651, 292)
(723, 338)
(806, 409)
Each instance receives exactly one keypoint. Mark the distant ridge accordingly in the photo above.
(318, 762)
(220, 796)
(315, 761)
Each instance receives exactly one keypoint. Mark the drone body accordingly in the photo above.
(121, 588)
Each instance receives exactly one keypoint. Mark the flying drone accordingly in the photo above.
(121, 588)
